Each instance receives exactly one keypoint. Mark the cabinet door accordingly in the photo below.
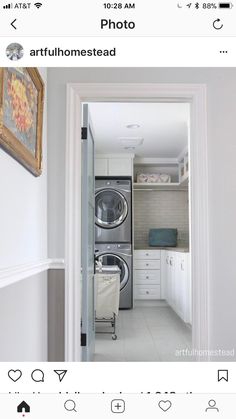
(151, 292)
(186, 281)
(178, 284)
(184, 306)
(173, 292)
(142, 277)
(147, 254)
(181, 285)
(147, 264)
(168, 278)
(120, 167)
(101, 167)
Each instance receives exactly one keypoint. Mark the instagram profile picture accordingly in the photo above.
(14, 51)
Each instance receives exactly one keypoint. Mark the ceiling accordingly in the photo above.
(163, 127)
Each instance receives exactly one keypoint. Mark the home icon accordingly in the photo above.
(23, 408)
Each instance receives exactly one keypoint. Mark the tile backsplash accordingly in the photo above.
(160, 209)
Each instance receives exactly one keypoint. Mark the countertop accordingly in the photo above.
(181, 248)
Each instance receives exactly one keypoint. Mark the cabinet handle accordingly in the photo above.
(182, 266)
(147, 277)
(147, 292)
(147, 264)
(147, 254)
(171, 261)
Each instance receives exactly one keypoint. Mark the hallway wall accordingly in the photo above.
(23, 320)
(56, 323)
(23, 230)
(221, 93)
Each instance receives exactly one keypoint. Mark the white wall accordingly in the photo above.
(23, 210)
(23, 232)
(221, 91)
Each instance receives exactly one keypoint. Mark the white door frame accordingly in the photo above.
(195, 94)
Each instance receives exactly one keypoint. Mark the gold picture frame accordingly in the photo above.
(21, 115)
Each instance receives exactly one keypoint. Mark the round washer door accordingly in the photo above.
(115, 260)
(111, 208)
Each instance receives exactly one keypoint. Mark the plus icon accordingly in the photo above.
(118, 406)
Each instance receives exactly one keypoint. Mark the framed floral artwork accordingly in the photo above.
(21, 115)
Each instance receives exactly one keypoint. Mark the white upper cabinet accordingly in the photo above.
(121, 165)
(101, 167)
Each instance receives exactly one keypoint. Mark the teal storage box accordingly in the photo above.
(163, 237)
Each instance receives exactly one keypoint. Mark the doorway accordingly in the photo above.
(149, 143)
(195, 95)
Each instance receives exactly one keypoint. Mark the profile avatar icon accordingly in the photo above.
(14, 51)
(212, 406)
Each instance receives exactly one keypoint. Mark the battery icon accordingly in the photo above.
(225, 5)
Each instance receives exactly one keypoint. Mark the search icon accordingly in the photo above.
(70, 406)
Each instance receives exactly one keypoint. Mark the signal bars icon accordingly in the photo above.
(8, 6)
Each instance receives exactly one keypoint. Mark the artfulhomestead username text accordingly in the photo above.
(59, 52)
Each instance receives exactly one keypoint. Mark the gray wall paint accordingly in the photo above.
(56, 309)
(221, 93)
(160, 209)
(23, 320)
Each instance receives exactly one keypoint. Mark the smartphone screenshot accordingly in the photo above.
(117, 209)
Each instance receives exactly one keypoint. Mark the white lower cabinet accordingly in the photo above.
(164, 274)
(178, 284)
(147, 274)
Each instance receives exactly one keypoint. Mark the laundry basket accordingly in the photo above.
(107, 297)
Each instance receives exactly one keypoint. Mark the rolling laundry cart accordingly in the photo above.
(107, 300)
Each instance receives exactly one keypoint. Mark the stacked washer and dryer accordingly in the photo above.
(113, 230)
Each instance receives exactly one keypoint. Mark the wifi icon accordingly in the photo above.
(38, 5)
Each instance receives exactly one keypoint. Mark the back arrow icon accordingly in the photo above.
(12, 24)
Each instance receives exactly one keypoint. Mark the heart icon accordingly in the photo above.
(165, 405)
(14, 375)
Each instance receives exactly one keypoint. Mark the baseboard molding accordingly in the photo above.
(15, 274)
(150, 303)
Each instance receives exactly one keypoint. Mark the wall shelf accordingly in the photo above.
(176, 168)
(173, 186)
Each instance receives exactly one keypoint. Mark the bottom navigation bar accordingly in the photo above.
(105, 406)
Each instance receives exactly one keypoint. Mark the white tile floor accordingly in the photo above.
(145, 334)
